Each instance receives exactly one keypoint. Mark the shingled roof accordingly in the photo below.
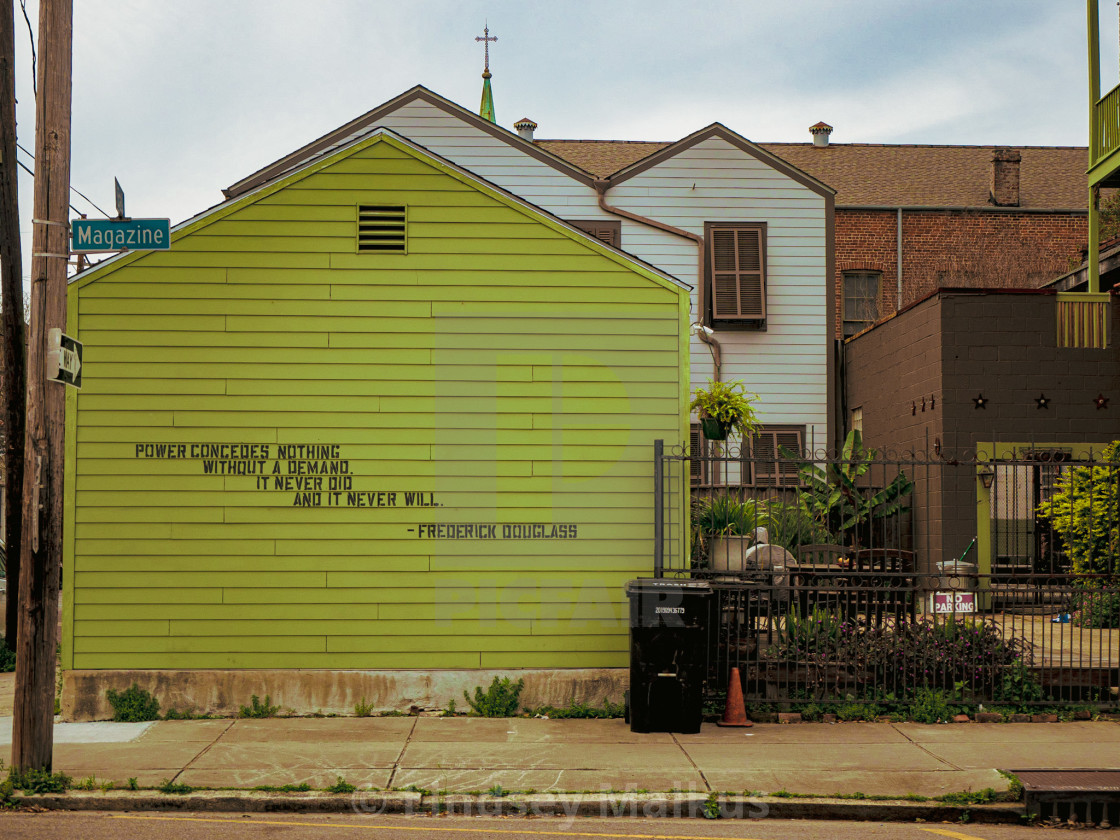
(1051, 177)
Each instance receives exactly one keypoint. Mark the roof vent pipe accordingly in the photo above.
(820, 133)
(525, 128)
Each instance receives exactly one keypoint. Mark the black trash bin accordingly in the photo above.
(669, 622)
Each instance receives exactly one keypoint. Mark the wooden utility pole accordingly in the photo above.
(32, 729)
(13, 334)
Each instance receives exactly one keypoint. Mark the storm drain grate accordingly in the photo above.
(1088, 797)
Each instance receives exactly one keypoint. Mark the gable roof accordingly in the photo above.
(727, 135)
(602, 155)
(866, 174)
(320, 161)
(352, 130)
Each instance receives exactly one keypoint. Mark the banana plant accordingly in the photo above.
(833, 495)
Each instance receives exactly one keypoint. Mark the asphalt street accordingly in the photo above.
(202, 826)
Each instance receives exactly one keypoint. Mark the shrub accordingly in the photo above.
(813, 711)
(824, 645)
(133, 704)
(38, 781)
(186, 714)
(169, 786)
(836, 497)
(257, 709)
(341, 786)
(712, 809)
(857, 711)
(1083, 511)
(963, 656)
(1018, 687)
(363, 708)
(932, 706)
(582, 710)
(968, 658)
(790, 525)
(7, 657)
(501, 699)
(1096, 608)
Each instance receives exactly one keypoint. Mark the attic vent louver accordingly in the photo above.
(381, 229)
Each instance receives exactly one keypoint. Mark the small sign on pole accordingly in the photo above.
(64, 358)
(120, 198)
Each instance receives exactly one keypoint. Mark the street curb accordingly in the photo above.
(602, 805)
(388, 802)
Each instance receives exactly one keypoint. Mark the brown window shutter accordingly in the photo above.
(737, 265)
(770, 469)
(704, 469)
(695, 448)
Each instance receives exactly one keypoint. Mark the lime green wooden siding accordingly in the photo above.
(505, 372)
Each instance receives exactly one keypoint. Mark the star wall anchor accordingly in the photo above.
(981, 401)
(1101, 401)
(1043, 401)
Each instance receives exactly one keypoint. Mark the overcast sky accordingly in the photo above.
(179, 99)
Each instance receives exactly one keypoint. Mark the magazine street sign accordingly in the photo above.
(95, 235)
(64, 358)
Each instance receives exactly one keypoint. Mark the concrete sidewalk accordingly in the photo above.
(476, 755)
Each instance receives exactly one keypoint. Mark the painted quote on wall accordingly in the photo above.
(318, 475)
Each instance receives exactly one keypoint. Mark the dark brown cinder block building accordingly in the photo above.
(961, 369)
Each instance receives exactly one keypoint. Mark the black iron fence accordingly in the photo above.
(892, 639)
(991, 579)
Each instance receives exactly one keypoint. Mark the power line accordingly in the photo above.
(31, 172)
(72, 188)
(31, 37)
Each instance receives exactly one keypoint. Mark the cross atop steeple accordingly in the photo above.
(486, 109)
(486, 39)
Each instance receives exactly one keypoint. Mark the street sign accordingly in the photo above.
(119, 193)
(64, 358)
(94, 235)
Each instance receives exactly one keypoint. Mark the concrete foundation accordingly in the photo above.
(221, 692)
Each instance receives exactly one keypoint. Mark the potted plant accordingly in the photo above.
(726, 526)
(725, 407)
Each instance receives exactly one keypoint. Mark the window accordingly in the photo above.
(768, 466)
(608, 230)
(735, 279)
(855, 423)
(861, 300)
(381, 229)
(705, 472)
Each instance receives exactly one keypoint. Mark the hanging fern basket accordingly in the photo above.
(713, 429)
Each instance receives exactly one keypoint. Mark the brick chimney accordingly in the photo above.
(1005, 178)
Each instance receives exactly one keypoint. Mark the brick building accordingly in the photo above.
(953, 216)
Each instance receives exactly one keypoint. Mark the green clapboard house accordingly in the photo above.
(379, 415)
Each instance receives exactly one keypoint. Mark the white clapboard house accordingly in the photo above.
(752, 234)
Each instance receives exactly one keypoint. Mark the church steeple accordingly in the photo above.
(486, 109)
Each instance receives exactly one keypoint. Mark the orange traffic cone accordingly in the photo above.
(735, 712)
